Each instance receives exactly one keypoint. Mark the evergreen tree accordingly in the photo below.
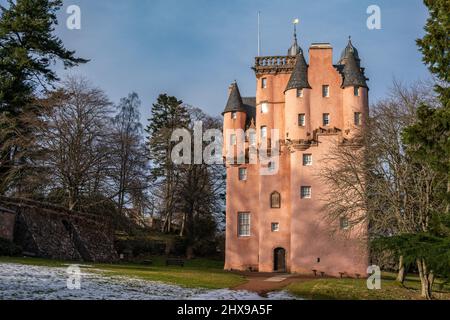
(167, 114)
(428, 143)
(28, 48)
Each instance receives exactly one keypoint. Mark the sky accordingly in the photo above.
(194, 49)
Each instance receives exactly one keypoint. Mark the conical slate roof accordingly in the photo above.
(299, 77)
(234, 103)
(350, 49)
(352, 73)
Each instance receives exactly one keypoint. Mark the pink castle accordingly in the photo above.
(276, 222)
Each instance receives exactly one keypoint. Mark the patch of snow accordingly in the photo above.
(23, 282)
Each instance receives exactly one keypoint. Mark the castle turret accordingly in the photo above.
(297, 97)
(355, 92)
(235, 117)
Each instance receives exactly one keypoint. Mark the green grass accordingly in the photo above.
(197, 273)
(356, 289)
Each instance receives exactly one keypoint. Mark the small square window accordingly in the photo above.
(264, 107)
(326, 119)
(301, 120)
(271, 166)
(243, 224)
(264, 83)
(356, 91)
(299, 93)
(305, 193)
(233, 140)
(344, 223)
(325, 91)
(358, 117)
(233, 115)
(242, 174)
(275, 227)
(307, 159)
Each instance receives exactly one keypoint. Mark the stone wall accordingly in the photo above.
(7, 220)
(48, 231)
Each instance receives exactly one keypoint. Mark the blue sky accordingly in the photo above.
(194, 48)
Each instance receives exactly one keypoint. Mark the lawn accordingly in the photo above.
(197, 273)
(356, 289)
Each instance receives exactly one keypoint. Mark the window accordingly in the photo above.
(356, 91)
(275, 227)
(263, 132)
(264, 107)
(275, 200)
(242, 174)
(233, 140)
(271, 166)
(244, 224)
(326, 119)
(234, 115)
(358, 117)
(252, 137)
(344, 223)
(307, 159)
(299, 93)
(301, 120)
(325, 91)
(264, 83)
(305, 193)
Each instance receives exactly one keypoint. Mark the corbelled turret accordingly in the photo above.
(234, 103)
(349, 49)
(299, 76)
(352, 73)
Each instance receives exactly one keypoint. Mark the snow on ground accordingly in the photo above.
(21, 282)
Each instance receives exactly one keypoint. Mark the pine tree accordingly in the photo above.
(28, 48)
(167, 114)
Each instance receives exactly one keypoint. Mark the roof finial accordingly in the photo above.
(295, 23)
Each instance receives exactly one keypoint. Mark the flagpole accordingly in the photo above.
(259, 33)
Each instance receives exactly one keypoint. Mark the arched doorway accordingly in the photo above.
(279, 260)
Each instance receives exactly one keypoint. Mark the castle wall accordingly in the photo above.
(49, 231)
(315, 243)
(242, 252)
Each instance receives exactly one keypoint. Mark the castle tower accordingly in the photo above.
(276, 219)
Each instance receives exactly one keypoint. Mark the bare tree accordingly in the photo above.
(375, 175)
(128, 165)
(74, 139)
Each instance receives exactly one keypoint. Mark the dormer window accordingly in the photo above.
(356, 91)
(264, 83)
(299, 93)
(234, 115)
(264, 107)
(325, 91)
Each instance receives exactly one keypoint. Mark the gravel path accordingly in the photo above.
(23, 282)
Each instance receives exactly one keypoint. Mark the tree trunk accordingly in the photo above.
(426, 279)
(401, 270)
